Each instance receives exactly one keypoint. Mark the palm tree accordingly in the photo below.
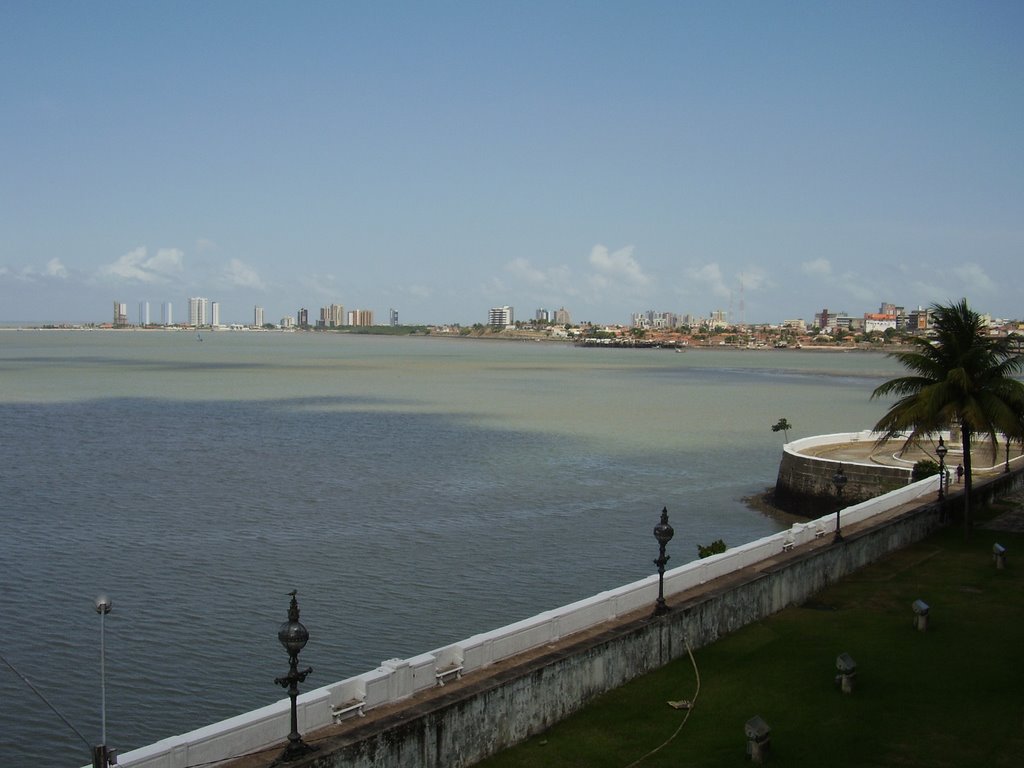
(782, 425)
(961, 377)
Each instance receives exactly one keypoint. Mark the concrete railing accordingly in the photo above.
(398, 679)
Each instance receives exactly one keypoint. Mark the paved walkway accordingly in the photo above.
(895, 453)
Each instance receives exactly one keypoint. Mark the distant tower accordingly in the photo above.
(167, 313)
(257, 317)
(393, 317)
(215, 313)
(302, 319)
(120, 313)
(197, 309)
(143, 313)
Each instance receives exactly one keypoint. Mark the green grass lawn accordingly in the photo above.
(950, 696)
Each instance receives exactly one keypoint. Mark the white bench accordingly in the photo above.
(452, 671)
(347, 708)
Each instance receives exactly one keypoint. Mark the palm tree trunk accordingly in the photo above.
(965, 437)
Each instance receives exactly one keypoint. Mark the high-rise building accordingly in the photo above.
(120, 313)
(257, 317)
(501, 317)
(302, 318)
(143, 313)
(167, 313)
(360, 317)
(393, 317)
(562, 317)
(541, 316)
(215, 313)
(197, 311)
(332, 316)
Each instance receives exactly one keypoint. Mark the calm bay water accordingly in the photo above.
(414, 491)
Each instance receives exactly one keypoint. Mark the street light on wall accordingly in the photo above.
(839, 481)
(663, 533)
(101, 756)
(293, 636)
(941, 450)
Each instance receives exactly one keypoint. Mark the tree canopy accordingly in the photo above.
(962, 378)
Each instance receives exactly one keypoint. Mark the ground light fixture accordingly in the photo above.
(941, 450)
(839, 481)
(663, 533)
(101, 755)
(293, 636)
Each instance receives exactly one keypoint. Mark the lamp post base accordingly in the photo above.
(295, 750)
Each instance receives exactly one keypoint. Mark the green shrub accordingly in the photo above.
(707, 550)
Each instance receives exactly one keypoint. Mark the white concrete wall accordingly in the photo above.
(398, 679)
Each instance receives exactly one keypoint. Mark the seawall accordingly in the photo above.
(518, 680)
(804, 483)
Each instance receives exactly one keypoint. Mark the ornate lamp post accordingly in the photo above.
(839, 481)
(293, 635)
(100, 753)
(663, 533)
(942, 450)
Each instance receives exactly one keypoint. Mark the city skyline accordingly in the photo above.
(441, 160)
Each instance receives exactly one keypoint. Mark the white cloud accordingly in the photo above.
(240, 275)
(54, 268)
(854, 287)
(553, 278)
(419, 291)
(324, 286)
(617, 266)
(973, 278)
(710, 277)
(138, 266)
(818, 267)
(754, 279)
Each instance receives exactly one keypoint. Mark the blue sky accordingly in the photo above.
(442, 158)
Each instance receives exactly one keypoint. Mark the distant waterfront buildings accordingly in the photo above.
(302, 318)
(501, 317)
(360, 317)
(332, 316)
(215, 313)
(120, 313)
(257, 316)
(143, 313)
(393, 318)
(197, 311)
(167, 313)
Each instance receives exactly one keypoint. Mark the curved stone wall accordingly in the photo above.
(804, 484)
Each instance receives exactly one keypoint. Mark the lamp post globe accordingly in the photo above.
(839, 481)
(663, 532)
(293, 634)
